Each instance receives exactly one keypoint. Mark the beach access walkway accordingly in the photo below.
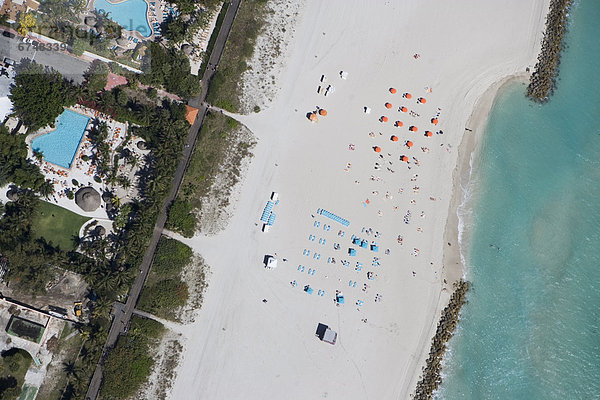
(123, 316)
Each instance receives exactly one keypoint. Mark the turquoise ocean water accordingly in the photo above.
(531, 327)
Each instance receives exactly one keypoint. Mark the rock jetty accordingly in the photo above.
(543, 79)
(431, 377)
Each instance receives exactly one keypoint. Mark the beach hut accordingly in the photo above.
(394, 138)
(392, 90)
(383, 118)
(325, 334)
(322, 112)
(377, 149)
(404, 158)
(356, 241)
(364, 244)
(403, 109)
(409, 144)
(428, 134)
(352, 252)
(313, 117)
(374, 247)
(407, 95)
(339, 298)
(308, 289)
(413, 128)
(422, 100)
(388, 105)
(434, 121)
(398, 124)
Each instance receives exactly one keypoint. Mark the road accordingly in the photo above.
(69, 66)
(123, 313)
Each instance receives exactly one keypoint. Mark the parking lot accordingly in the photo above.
(70, 67)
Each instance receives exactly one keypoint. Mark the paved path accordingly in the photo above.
(123, 313)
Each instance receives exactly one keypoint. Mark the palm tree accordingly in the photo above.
(116, 201)
(46, 189)
(102, 308)
(38, 155)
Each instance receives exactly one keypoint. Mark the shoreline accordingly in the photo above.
(453, 258)
(306, 159)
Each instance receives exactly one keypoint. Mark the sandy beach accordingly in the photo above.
(451, 58)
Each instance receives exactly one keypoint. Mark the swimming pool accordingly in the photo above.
(60, 145)
(130, 14)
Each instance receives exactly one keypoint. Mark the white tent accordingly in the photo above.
(271, 262)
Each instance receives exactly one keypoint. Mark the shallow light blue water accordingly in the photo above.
(531, 328)
(60, 145)
(130, 14)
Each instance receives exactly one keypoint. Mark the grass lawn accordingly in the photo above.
(57, 225)
(14, 364)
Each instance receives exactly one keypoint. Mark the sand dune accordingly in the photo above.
(241, 347)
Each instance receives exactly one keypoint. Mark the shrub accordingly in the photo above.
(181, 218)
(171, 257)
(97, 179)
(164, 297)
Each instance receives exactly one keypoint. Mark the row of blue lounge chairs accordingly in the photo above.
(334, 217)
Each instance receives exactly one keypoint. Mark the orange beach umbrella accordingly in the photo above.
(398, 123)
(404, 158)
(383, 118)
(322, 112)
(403, 109)
(388, 105)
(408, 95)
(377, 149)
(394, 138)
(413, 128)
(409, 144)
(392, 90)
(434, 121)
(422, 100)
(313, 117)
(428, 134)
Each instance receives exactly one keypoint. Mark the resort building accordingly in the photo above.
(12, 8)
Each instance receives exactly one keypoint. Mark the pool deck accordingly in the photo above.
(84, 171)
(154, 13)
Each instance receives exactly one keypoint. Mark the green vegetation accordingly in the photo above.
(56, 225)
(14, 166)
(39, 95)
(108, 264)
(14, 364)
(63, 368)
(25, 329)
(182, 218)
(130, 362)
(28, 258)
(171, 257)
(164, 297)
(225, 89)
(165, 292)
(209, 153)
(96, 76)
(170, 69)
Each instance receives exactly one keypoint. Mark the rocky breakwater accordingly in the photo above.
(431, 377)
(543, 79)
